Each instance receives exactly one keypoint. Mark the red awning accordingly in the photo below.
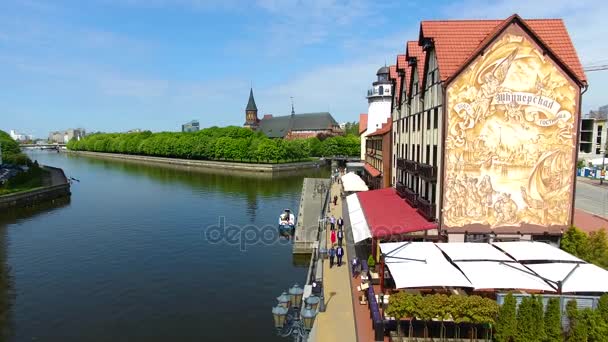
(371, 170)
(388, 214)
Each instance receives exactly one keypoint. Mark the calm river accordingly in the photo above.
(127, 257)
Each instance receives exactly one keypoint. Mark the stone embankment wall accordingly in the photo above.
(59, 187)
(234, 166)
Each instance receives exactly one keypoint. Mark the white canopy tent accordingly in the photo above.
(500, 275)
(575, 277)
(526, 251)
(353, 183)
(557, 265)
(420, 265)
(470, 251)
(488, 268)
(358, 223)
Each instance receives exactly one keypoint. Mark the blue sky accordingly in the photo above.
(114, 65)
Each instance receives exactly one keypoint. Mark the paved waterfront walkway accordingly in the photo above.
(337, 323)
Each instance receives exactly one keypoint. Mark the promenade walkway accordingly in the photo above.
(337, 323)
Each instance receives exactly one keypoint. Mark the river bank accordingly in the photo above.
(206, 164)
(57, 186)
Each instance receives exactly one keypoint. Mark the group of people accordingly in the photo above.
(336, 234)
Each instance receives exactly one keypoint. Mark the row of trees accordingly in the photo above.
(11, 153)
(215, 143)
(530, 321)
(592, 247)
(459, 309)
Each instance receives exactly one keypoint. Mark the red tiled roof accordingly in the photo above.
(362, 122)
(387, 214)
(371, 170)
(393, 72)
(401, 62)
(456, 41)
(415, 50)
(386, 128)
(397, 93)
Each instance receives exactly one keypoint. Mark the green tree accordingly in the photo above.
(538, 322)
(578, 330)
(404, 305)
(506, 325)
(602, 307)
(575, 242)
(553, 321)
(525, 321)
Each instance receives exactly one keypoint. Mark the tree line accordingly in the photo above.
(11, 152)
(218, 143)
(530, 321)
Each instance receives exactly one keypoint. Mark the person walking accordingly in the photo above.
(332, 222)
(340, 223)
(335, 200)
(340, 237)
(355, 267)
(332, 237)
(339, 255)
(332, 254)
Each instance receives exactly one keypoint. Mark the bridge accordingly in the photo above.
(43, 146)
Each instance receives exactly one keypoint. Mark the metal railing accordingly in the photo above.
(428, 172)
(426, 208)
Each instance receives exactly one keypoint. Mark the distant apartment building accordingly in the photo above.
(484, 135)
(20, 136)
(192, 126)
(594, 134)
(63, 137)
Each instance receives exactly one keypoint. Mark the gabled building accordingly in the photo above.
(378, 158)
(291, 126)
(486, 127)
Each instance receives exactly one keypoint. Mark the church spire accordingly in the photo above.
(251, 104)
(293, 112)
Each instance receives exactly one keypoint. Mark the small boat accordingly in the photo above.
(287, 222)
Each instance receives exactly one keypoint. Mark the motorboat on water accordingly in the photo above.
(287, 221)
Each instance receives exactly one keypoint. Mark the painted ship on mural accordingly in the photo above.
(511, 132)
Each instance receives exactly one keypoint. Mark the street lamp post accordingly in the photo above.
(290, 319)
(602, 172)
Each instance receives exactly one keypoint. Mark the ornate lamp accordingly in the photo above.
(308, 317)
(284, 300)
(313, 302)
(296, 293)
(279, 313)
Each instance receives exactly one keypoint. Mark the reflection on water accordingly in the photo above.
(128, 259)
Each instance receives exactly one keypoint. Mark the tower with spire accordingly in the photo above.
(251, 112)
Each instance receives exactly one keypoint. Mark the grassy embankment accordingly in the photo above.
(35, 177)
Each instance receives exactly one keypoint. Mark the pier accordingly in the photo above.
(314, 195)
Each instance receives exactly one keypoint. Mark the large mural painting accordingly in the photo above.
(510, 140)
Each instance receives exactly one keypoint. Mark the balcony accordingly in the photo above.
(427, 209)
(400, 163)
(411, 166)
(400, 189)
(428, 172)
(411, 197)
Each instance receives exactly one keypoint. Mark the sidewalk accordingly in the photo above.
(337, 323)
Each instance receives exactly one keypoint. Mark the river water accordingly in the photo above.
(136, 254)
